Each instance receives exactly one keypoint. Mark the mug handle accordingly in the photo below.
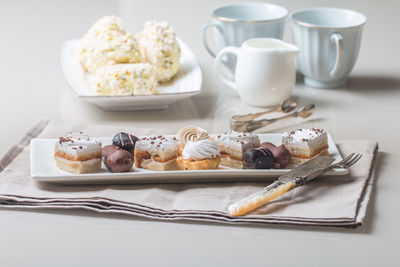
(230, 82)
(205, 40)
(338, 40)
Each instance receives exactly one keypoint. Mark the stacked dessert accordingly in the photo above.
(305, 144)
(77, 153)
(125, 64)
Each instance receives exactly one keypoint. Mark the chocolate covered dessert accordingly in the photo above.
(257, 158)
(280, 153)
(125, 141)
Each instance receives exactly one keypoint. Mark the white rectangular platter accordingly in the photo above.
(43, 168)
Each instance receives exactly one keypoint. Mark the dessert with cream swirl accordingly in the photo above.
(199, 152)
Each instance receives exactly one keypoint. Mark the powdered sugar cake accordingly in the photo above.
(77, 153)
(158, 153)
(305, 144)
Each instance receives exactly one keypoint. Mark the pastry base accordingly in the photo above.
(78, 167)
(230, 162)
(204, 164)
(150, 164)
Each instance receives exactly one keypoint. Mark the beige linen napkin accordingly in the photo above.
(338, 201)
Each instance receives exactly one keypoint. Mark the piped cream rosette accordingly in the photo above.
(191, 133)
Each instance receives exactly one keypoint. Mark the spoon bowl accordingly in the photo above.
(286, 106)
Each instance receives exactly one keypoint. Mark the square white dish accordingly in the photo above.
(43, 168)
(186, 83)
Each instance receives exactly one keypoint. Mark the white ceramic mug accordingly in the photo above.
(329, 41)
(236, 23)
(265, 73)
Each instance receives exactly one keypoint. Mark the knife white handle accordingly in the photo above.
(258, 199)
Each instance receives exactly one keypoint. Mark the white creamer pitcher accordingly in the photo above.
(265, 72)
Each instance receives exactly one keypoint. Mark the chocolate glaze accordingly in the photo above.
(117, 159)
(125, 141)
(281, 154)
(257, 158)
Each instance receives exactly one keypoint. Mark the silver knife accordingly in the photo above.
(297, 177)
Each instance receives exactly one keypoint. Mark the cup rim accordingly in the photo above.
(222, 18)
(311, 25)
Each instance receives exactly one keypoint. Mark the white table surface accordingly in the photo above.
(33, 86)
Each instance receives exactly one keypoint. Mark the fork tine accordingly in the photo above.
(353, 161)
(346, 159)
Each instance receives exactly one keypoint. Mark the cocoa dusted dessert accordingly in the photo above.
(125, 141)
(117, 159)
(257, 158)
(280, 153)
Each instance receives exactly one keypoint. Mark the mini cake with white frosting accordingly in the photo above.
(305, 144)
(159, 47)
(199, 152)
(126, 79)
(77, 153)
(233, 145)
(107, 43)
(157, 153)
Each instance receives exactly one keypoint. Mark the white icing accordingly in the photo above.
(238, 140)
(304, 137)
(153, 144)
(78, 143)
(202, 149)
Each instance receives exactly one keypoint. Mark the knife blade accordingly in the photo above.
(296, 177)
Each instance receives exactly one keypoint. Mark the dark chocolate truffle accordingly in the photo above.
(257, 158)
(281, 154)
(119, 161)
(125, 141)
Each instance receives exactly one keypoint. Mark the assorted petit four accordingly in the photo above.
(157, 153)
(125, 141)
(191, 149)
(305, 144)
(77, 153)
(199, 151)
(233, 145)
(117, 159)
(125, 64)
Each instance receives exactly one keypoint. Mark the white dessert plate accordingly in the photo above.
(186, 83)
(43, 168)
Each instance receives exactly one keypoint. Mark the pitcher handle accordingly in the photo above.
(338, 41)
(230, 82)
(205, 40)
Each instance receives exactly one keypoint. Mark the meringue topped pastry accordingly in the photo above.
(199, 152)
(305, 144)
(77, 153)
